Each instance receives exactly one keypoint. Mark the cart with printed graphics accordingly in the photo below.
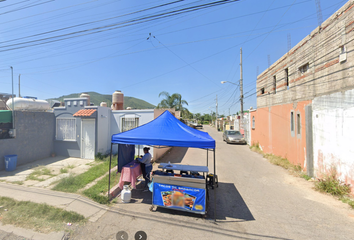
(186, 190)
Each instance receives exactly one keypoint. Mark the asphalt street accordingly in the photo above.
(255, 200)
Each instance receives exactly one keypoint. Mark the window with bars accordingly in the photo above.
(66, 129)
(129, 123)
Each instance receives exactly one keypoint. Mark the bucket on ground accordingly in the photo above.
(10, 162)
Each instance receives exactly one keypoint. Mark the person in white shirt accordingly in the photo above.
(146, 164)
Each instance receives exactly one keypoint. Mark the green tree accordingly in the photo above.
(173, 101)
(197, 116)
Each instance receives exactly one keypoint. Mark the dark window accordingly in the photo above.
(253, 123)
(292, 121)
(262, 90)
(298, 120)
(287, 78)
(342, 49)
(304, 68)
(275, 83)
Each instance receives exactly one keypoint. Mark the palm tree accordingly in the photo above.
(173, 101)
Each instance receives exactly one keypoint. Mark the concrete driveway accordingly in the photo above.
(58, 167)
(255, 200)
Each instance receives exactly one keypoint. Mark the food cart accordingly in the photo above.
(166, 130)
(186, 192)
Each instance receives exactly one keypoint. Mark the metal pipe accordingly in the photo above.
(109, 179)
(207, 156)
(19, 85)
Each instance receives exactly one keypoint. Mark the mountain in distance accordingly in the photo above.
(97, 98)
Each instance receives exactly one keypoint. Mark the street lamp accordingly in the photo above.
(222, 82)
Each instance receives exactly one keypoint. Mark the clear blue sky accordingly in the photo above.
(188, 54)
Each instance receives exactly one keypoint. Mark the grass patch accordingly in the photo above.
(74, 183)
(37, 216)
(17, 182)
(256, 148)
(332, 185)
(64, 170)
(348, 200)
(305, 176)
(98, 192)
(282, 162)
(39, 171)
(279, 161)
(70, 166)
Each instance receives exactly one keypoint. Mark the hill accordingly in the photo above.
(97, 98)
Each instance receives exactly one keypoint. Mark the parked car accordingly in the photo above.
(232, 136)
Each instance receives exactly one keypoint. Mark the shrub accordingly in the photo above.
(332, 185)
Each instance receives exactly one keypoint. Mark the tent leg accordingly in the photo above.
(214, 188)
(207, 160)
(207, 157)
(109, 173)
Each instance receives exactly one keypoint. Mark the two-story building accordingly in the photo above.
(305, 100)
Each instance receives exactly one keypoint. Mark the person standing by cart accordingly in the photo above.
(146, 162)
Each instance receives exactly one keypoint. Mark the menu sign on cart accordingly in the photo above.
(184, 198)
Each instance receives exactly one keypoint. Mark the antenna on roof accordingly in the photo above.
(319, 12)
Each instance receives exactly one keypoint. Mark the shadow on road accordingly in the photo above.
(230, 205)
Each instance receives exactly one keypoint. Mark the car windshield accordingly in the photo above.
(233, 133)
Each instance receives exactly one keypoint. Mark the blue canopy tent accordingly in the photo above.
(165, 130)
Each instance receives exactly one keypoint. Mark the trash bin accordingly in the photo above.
(10, 162)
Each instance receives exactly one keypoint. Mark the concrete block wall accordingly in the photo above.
(321, 50)
(35, 132)
(333, 135)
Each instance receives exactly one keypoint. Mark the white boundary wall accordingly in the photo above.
(333, 135)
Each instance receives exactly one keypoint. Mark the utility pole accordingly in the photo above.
(19, 85)
(216, 113)
(13, 96)
(241, 87)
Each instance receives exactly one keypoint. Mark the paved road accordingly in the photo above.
(256, 200)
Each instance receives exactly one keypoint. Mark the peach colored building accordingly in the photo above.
(303, 100)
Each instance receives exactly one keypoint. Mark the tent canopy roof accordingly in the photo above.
(166, 130)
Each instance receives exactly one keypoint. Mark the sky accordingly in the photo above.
(74, 46)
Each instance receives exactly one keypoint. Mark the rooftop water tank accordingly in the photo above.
(28, 104)
(103, 104)
(117, 100)
(85, 95)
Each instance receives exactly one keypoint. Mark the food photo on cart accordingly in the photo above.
(174, 186)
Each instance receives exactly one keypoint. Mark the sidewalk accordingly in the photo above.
(68, 201)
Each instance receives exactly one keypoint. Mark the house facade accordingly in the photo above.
(313, 80)
(81, 130)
